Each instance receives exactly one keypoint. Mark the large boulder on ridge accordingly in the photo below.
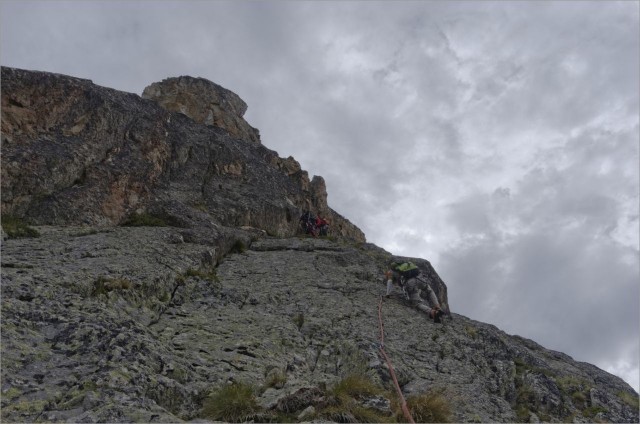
(205, 102)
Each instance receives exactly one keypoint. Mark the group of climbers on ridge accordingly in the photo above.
(405, 275)
(314, 225)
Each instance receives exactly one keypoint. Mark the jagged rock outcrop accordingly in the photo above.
(186, 276)
(135, 324)
(77, 153)
(205, 102)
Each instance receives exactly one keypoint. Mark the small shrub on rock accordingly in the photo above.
(233, 403)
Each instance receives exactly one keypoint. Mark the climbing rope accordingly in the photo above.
(403, 402)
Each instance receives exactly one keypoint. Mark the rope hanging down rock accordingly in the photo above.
(403, 402)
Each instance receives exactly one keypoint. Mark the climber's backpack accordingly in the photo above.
(408, 270)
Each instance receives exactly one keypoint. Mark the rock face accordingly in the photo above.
(168, 269)
(204, 102)
(135, 324)
(77, 153)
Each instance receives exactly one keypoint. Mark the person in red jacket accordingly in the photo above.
(322, 225)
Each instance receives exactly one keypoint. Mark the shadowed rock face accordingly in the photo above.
(77, 153)
(107, 323)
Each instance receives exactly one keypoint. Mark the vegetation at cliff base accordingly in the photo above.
(145, 220)
(17, 228)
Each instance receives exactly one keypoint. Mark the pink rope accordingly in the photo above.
(403, 402)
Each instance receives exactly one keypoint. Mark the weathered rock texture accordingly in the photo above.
(204, 102)
(134, 324)
(77, 153)
(108, 323)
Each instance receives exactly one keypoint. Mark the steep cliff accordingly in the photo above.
(77, 153)
(164, 276)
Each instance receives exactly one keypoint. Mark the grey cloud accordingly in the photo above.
(549, 276)
(470, 215)
(561, 289)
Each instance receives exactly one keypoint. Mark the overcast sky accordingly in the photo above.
(499, 140)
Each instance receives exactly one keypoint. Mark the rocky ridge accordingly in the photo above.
(77, 153)
(106, 318)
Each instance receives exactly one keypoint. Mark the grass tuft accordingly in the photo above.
(298, 320)
(471, 331)
(233, 403)
(207, 275)
(276, 379)
(103, 285)
(344, 405)
(356, 386)
(430, 407)
(592, 411)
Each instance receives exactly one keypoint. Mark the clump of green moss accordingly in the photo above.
(577, 389)
(298, 320)
(17, 228)
(232, 403)
(592, 411)
(238, 247)
(471, 331)
(87, 232)
(629, 399)
(146, 220)
(523, 403)
(521, 365)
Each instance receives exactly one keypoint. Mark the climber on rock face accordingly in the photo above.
(407, 276)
